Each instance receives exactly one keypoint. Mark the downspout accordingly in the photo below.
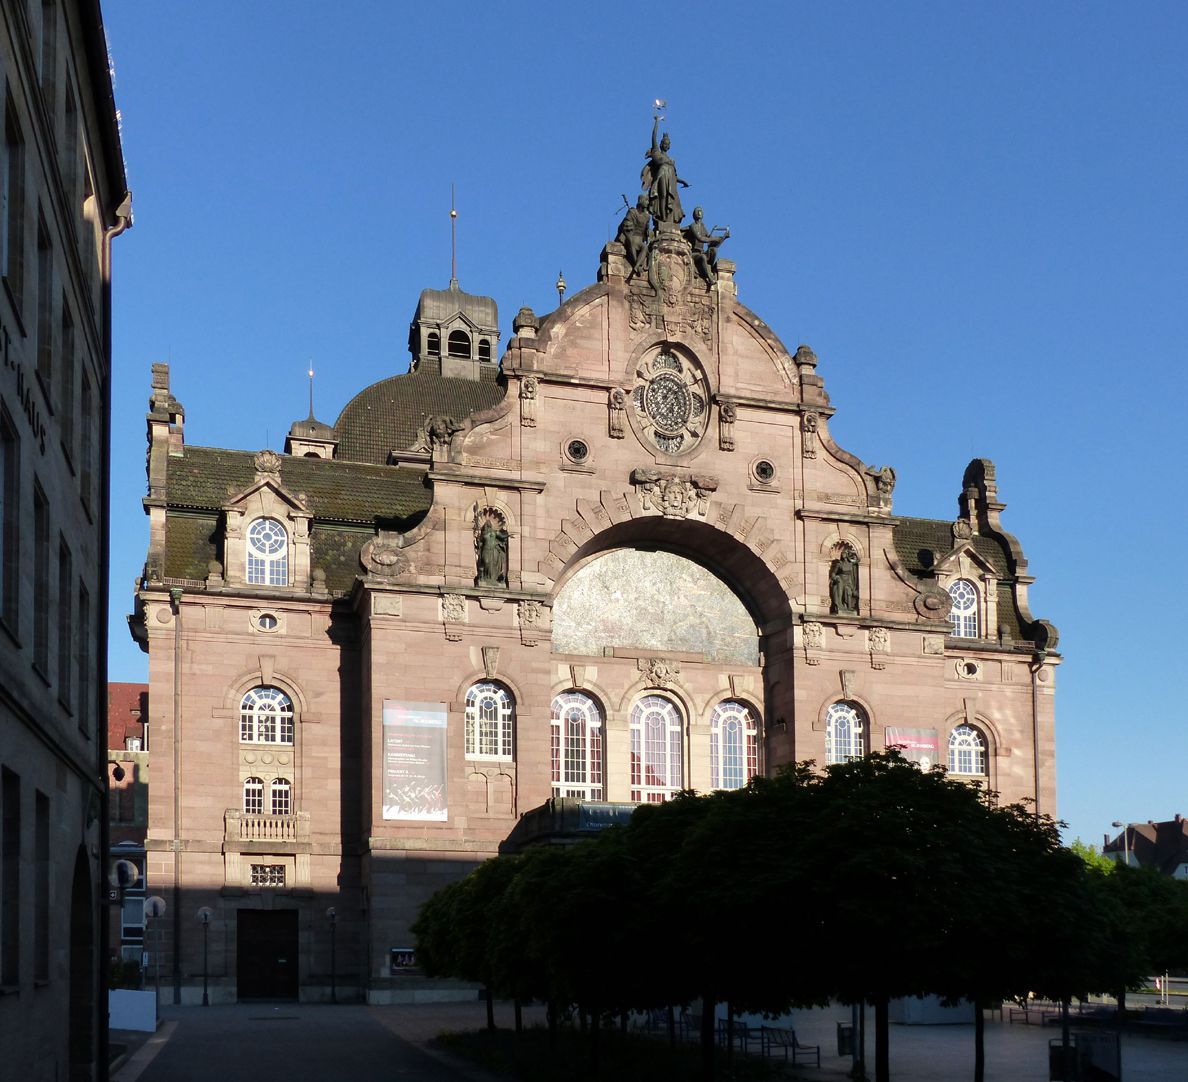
(123, 216)
(175, 596)
(1037, 664)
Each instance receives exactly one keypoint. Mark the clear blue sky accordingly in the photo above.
(975, 213)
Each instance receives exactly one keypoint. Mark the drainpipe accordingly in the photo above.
(1036, 665)
(175, 596)
(123, 216)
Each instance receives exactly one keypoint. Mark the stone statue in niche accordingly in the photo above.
(705, 244)
(843, 583)
(633, 234)
(659, 177)
(490, 546)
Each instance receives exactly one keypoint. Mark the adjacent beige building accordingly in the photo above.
(63, 200)
(625, 559)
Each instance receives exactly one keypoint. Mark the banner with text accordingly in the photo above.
(918, 746)
(415, 761)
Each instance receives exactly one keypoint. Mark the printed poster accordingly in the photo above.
(415, 761)
(918, 746)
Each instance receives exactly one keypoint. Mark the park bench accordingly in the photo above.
(775, 1037)
(739, 1032)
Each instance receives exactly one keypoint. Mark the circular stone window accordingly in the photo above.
(764, 471)
(670, 396)
(577, 451)
(267, 621)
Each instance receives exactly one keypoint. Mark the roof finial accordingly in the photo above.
(311, 412)
(453, 242)
(561, 287)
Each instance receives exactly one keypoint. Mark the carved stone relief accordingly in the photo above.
(727, 415)
(673, 497)
(528, 394)
(659, 672)
(814, 640)
(453, 614)
(879, 643)
(809, 420)
(617, 405)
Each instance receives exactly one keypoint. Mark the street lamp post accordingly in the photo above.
(204, 915)
(332, 917)
(154, 910)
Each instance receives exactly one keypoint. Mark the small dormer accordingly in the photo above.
(455, 333)
(266, 533)
(311, 439)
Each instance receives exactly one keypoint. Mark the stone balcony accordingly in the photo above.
(244, 827)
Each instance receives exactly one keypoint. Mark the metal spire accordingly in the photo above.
(453, 242)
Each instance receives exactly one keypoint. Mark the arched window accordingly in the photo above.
(845, 733)
(964, 613)
(433, 344)
(577, 746)
(734, 745)
(253, 797)
(267, 553)
(490, 720)
(459, 344)
(967, 751)
(281, 801)
(266, 717)
(485, 349)
(657, 761)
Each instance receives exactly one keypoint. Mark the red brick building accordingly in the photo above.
(626, 558)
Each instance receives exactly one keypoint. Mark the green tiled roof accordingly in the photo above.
(355, 492)
(190, 545)
(387, 415)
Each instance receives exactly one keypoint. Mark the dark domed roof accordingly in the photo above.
(312, 428)
(387, 416)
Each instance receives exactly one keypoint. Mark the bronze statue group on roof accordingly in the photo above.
(658, 211)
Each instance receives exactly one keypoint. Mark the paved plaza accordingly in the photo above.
(311, 1043)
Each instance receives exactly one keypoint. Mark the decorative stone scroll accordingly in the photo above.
(383, 558)
(528, 393)
(673, 497)
(884, 479)
(727, 415)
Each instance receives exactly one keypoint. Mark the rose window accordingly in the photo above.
(670, 397)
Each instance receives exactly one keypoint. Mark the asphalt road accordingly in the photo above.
(295, 1042)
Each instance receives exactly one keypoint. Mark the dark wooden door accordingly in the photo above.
(267, 954)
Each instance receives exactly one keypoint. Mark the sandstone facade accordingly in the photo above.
(641, 508)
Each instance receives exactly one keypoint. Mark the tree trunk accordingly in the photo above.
(979, 1042)
(1065, 1057)
(707, 1037)
(490, 1008)
(882, 1035)
(622, 1021)
(551, 1015)
(729, 1036)
(595, 1019)
(519, 1016)
(1121, 1006)
(671, 1027)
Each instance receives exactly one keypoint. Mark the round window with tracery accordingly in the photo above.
(670, 397)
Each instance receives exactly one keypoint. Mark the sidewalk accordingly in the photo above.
(368, 1041)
